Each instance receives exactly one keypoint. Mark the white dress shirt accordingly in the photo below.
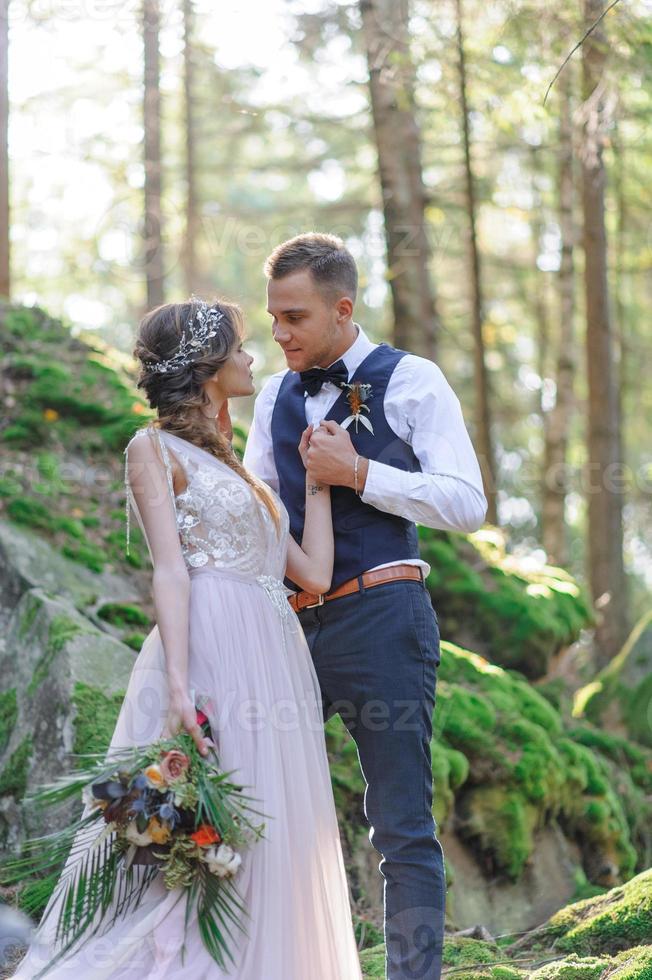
(423, 410)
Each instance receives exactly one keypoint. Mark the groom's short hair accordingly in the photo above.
(326, 257)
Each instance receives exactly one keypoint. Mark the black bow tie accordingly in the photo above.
(313, 379)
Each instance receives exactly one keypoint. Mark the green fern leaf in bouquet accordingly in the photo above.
(158, 810)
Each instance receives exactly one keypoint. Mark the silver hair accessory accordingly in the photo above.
(200, 327)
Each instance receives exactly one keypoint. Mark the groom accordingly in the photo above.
(395, 451)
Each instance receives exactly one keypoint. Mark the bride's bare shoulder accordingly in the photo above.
(147, 430)
(142, 450)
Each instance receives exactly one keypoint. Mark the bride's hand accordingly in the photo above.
(303, 445)
(183, 714)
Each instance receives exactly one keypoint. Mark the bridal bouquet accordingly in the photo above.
(160, 810)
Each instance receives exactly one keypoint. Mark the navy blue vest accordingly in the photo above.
(364, 536)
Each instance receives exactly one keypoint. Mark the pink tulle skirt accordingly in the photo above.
(250, 663)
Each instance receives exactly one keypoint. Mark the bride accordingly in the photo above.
(227, 640)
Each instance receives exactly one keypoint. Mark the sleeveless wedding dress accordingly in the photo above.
(251, 670)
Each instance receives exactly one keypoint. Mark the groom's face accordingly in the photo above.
(304, 322)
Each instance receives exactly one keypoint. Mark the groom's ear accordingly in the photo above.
(344, 307)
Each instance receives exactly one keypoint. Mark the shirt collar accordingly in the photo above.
(356, 353)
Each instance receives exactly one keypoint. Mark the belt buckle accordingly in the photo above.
(319, 603)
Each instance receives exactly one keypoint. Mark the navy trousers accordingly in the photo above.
(376, 654)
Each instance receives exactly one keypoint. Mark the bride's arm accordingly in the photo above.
(170, 579)
(311, 564)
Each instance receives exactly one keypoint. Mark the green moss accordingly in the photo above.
(462, 957)
(116, 434)
(367, 935)
(134, 558)
(499, 823)
(372, 961)
(28, 430)
(636, 758)
(20, 322)
(9, 486)
(616, 920)
(8, 716)
(70, 526)
(522, 771)
(520, 616)
(13, 779)
(449, 770)
(86, 554)
(123, 614)
(631, 964)
(31, 512)
(47, 464)
(134, 640)
(28, 615)
(462, 951)
(62, 630)
(95, 716)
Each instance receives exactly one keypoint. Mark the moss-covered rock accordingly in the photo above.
(74, 410)
(621, 694)
(609, 938)
(61, 630)
(507, 778)
(28, 560)
(617, 920)
(94, 719)
(505, 769)
(14, 776)
(523, 771)
(67, 679)
(134, 640)
(8, 715)
(123, 614)
(515, 615)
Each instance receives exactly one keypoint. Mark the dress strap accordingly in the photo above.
(127, 493)
(154, 432)
(168, 467)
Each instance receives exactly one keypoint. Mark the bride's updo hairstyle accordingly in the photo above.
(173, 384)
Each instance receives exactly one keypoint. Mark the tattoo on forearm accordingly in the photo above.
(314, 488)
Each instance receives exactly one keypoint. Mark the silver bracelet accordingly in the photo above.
(355, 474)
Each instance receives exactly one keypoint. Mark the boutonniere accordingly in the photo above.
(356, 395)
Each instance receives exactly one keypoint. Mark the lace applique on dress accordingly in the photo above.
(219, 518)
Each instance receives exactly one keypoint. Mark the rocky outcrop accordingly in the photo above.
(528, 810)
(607, 936)
(62, 680)
(514, 612)
(531, 806)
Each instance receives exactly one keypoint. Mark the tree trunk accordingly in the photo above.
(541, 312)
(153, 231)
(604, 477)
(484, 443)
(398, 142)
(5, 263)
(192, 218)
(622, 358)
(557, 420)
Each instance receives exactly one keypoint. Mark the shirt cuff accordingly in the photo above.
(438, 500)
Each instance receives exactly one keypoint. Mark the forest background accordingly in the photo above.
(497, 206)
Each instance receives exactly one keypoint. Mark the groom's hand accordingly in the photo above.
(331, 457)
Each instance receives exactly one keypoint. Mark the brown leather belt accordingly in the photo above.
(306, 600)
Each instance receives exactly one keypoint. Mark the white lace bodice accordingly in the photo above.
(220, 520)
